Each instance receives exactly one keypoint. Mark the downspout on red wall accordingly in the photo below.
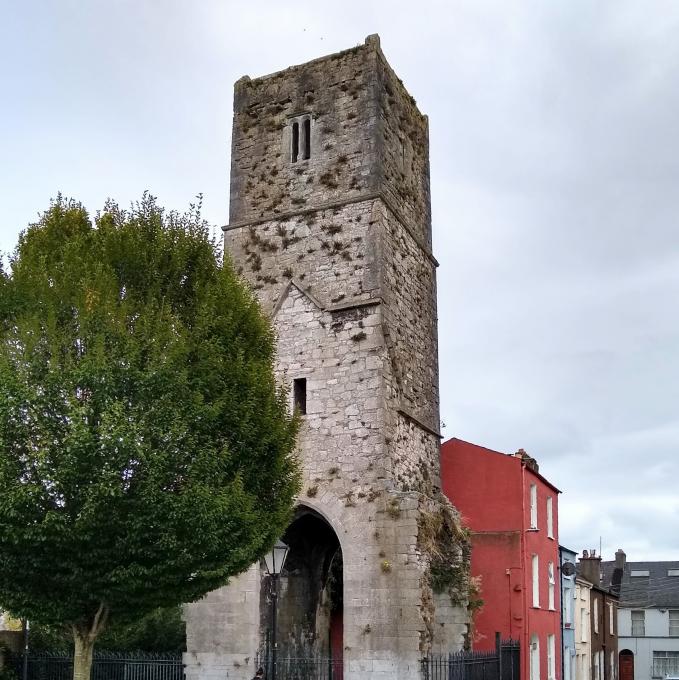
(525, 656)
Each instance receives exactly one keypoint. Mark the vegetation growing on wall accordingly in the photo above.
(442, 536)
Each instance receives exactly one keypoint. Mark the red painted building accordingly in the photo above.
(512, 512)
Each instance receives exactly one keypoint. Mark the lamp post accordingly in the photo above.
(274, 562)
(24, 666)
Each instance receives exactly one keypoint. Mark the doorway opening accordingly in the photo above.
(310, 603)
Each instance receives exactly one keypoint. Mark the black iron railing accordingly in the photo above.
(105, 666)
(298, 668)
(500, 664)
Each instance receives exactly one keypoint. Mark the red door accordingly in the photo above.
(337, 644)
(626, 665)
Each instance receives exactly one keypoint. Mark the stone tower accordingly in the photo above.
(330, 223)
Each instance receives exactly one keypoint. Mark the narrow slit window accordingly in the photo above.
(299, 395)
(306, 126)
(295, 142)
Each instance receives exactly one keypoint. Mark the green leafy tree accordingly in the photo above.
(146, 453)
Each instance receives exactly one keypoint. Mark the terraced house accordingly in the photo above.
(648, 619)
(512, 512)
(603, 633)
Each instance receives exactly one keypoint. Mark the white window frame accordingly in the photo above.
(673, 621)
(611, 618)
(535, 564)
(550, 585)
(566, 607)
(551, 657)
(665, 663)
(640, 623)
(550, 518)
(533, 506)
(596, 616)
(584, 618)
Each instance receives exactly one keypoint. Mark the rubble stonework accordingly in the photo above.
(338, 250)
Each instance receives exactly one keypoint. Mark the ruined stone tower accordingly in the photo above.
(330, 223)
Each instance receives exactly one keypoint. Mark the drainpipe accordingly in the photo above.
(526, 635)
(510, 590)
(563, 649)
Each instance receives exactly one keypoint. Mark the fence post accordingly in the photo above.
(498, 649)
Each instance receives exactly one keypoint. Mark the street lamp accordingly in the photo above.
(274, 562)
(24, 669)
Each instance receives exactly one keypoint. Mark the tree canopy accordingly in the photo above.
(146, 453)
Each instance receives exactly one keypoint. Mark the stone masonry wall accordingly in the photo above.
(403, 154)
(330, 253)
(367, 137)
(339, 94)
(408, 288)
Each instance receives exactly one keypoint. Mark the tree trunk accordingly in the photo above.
(82, 659)
(84, 637)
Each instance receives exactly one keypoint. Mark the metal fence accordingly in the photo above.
(299, 668)
(105, 666)
(502, 663)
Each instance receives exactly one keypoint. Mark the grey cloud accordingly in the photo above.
(555, 162)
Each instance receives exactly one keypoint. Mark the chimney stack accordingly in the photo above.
(528, 461)
(620, 558)
(590, 567)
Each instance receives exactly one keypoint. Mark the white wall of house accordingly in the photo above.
(656, 638)
(583, 648)
(657, 622)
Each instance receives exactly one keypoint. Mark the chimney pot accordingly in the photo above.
(590, 566)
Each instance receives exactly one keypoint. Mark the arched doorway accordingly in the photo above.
(309, 627)
(626, 664)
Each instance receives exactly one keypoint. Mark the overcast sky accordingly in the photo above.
(555, 190)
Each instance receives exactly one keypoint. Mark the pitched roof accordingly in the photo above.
(655, 590)
(450, 442)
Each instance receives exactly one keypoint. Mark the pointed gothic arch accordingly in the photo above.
(310, 610)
